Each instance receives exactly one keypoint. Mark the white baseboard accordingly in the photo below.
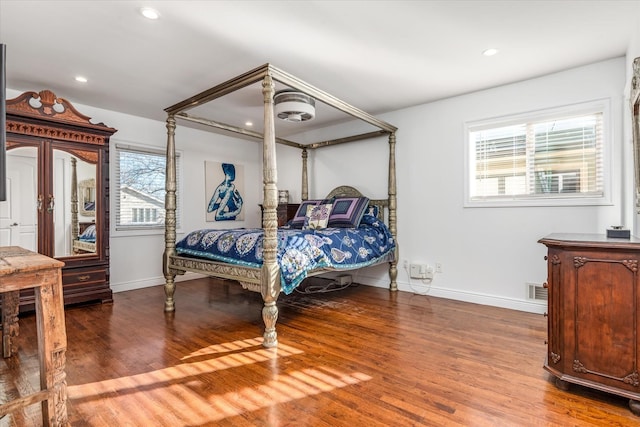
(458, 295)
(435, 291)
(146, 283)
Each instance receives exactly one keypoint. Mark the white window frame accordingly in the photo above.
(139, 229)
(590, 107)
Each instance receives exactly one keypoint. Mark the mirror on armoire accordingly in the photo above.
(74, 177)
(69, 201)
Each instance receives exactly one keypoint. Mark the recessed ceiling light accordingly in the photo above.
(490, 52)
(149, 13)
(248, 123)
(81, 79)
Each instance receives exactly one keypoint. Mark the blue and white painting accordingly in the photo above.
(224, 187)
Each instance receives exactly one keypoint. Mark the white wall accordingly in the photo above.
(487, 254)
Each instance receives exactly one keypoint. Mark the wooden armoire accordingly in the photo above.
(58, 187)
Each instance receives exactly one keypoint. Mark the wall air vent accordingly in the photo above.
(537, 292)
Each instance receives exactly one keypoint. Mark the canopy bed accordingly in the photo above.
(269, 270)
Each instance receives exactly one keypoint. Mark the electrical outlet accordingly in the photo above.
(420, 271)
(343, 279)
(438, 267)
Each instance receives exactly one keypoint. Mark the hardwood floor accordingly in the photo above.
(358, 357)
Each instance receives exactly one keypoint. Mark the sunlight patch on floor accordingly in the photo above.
(180, 372)
(189, 405)
(191, 399)
(226, 347)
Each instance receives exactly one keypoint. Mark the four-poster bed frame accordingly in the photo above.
(265, 279)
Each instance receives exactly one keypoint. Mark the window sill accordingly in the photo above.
(539, 202)
(137, 232)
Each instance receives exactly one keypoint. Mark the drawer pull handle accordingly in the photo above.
(84, 278)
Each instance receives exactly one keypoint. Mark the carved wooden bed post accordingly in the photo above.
(305, 176)
(270, 281)
(393, 270)
(170, 216)
(74, 200)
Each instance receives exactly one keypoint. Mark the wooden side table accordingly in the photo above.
(23, 269)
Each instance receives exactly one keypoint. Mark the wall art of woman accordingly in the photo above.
(226, 200)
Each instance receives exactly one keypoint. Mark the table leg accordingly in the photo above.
(10, 302)
(52, 345)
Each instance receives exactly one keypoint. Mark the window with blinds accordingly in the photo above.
(140, 188)
(548, 159)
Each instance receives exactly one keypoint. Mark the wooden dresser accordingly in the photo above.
(593, 319)
(285, 212)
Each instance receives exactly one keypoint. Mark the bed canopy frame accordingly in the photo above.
(266, 279)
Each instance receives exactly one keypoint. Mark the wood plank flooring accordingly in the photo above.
(358, 357)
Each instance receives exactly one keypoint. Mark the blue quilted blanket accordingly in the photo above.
(299, 251)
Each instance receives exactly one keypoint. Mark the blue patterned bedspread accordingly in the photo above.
(299, 251)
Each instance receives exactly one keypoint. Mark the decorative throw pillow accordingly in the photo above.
(298, 220)
(317, 217)
(347, 211)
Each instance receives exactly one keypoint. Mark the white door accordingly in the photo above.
(18, 214)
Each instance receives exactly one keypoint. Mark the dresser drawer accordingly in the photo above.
(84, 276)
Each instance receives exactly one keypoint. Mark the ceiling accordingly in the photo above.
(376, 55)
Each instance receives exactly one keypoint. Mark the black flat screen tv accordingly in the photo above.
(3, 123)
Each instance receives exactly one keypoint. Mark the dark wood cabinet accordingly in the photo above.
(285, 212)
(592, 314)
(58, 175)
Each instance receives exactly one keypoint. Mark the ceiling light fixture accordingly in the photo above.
(294, 106)
(81, 79)
(490, 52)
(149, 13)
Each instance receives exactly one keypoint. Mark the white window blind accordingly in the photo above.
(554, 158)
(140, 188)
